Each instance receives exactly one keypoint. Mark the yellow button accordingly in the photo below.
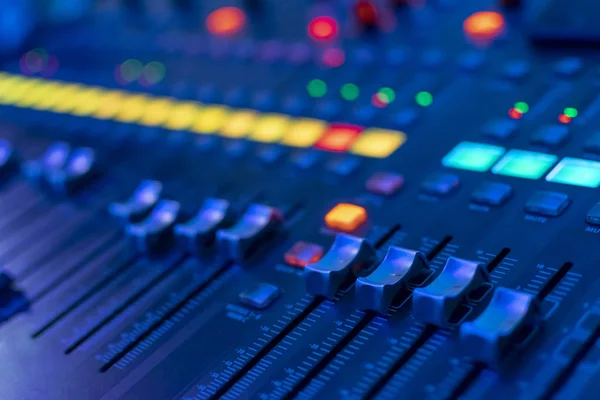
(88, 101)
(269, 128)
(304, 132)
(132, 108)
(183, 115)
(239, 124)
(346, 217)
(109, 105)
(157, 112)
(210, 119)
(378, 143)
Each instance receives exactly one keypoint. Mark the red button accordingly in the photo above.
(339, 137)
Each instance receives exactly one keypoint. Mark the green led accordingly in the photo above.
(388, 94)
(317, 88)
(571, 112)
(575, 171)
(424, 99)
(473, 156)
(524, 164)
(131, 70)
(349, 91)
(522, 107)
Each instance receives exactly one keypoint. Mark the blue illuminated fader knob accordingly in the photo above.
(509, 318)
(199, 233)
(79, 169)
(143, 200)
(436, 302)
(258, 223)
(155, 230)
(377, 290)
(348, 258)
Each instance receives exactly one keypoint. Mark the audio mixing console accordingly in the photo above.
(299, 199)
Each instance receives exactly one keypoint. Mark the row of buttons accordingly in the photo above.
(80, 100)
(482, 157)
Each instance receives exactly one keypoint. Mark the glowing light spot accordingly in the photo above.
(571, 112)
(225, 21)
(130, 70)
(424, 99)
(366, 12)
(564, 119)
(323, 28)
(333, 57)
(484, 25)
(153, 73)
(317, 88)
(379, 100)
(522, 107)
(349, 92)
(515, 114)
(388, 94)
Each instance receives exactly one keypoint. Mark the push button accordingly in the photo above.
(436, 302)
(256, 225)
(346, 217)
(500, 129)
(548, 204)
(302, 254)
(551, 136)
(143, 200)
(260, 296)
(377, 290)
(78, 170)
(385, 183)
(593, 216)
(349, 257)
(491, 193)
(199, 233)
(510, 316)
(154, 231)
(440, 184)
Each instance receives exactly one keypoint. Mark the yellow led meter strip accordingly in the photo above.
(204, 119)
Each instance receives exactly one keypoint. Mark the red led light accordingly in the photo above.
(323, 28)
(333, 57)
(564, 119)
(515, 114)
(303, 253)
(366, 12)
(225, 21)
(484, 25)
(339, 137)
(377, 101)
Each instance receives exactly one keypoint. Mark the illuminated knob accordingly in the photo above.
(348, 258)
(377, 290)
(509, 319)
(16, 22)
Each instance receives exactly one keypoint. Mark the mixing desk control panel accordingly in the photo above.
(300, 199)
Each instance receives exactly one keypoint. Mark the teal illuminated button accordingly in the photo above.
(473, 156)
(575, 171)
(524, 164)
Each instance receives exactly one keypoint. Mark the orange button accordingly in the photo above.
(484, 25)
(346, 217)
(339, 137)
(303, 253)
